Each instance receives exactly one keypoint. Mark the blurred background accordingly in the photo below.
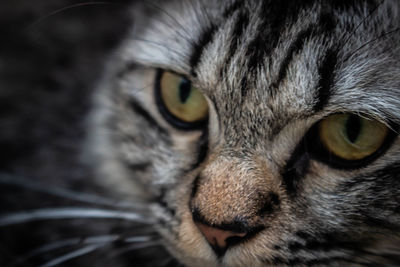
(52, 53)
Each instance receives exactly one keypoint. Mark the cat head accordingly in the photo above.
(261, 132)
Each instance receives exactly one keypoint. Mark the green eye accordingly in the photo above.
(183, 104)
(351, 137)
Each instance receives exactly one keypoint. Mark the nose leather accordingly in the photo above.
(217, 238)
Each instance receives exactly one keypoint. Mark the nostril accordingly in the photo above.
(222, 236)
(219, 239)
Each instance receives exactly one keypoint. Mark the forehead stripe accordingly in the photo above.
(198, 46)
(326, 78)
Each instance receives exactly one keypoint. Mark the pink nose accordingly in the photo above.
(217, 238)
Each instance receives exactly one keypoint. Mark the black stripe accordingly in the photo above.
(244, 86)
(163, 203)
(295, 246)
(326, 78)
(128, 68)
(195, 186)
(296, 168)
(271, 204)
(241, 24)
(381, 223)
(325, 242)
(202, 149)
(326, 24)
(237, 5)
(198, 47)
(274, 17)
(296, 46)
(138, 166)
(386, 180)
(139, 110)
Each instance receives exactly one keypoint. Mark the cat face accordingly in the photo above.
(260, 132)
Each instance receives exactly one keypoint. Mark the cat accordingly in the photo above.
(255, 133)
(265, 132)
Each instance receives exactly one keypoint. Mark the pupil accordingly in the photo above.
(185, 88)
(353, 128)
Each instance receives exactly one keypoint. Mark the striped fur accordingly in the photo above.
(270, 70)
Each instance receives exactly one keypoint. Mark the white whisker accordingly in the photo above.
(91, 240)
(60, 10)
(65, 243)
(70, 213)
(47, 248)
(137, 239)
(72, 255)
(100, 239)
(67, 194)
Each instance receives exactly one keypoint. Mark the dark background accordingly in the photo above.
(52, 53)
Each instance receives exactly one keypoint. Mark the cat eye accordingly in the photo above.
(351, 137)
(348, 140)
(181, 104)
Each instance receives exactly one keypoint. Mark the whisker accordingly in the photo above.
(55, 12)
(177, 25)
(137, 239)
(73, 255)
(100, 239)
(354, 30)
(66, 243)
(65, 193)
(94, 242)
(46, 248)
(160, 45)
(371, 41)
(70, 213)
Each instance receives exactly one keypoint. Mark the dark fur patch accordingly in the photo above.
(326, 78)
(325, 25)
(195, 186)
(199, 46)
(295, 47)
(139, 110)
(202, 150)
(241, 24)
(270, 205)
(295, 169)
(138, 166)
(163, 203)
(236, 5)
